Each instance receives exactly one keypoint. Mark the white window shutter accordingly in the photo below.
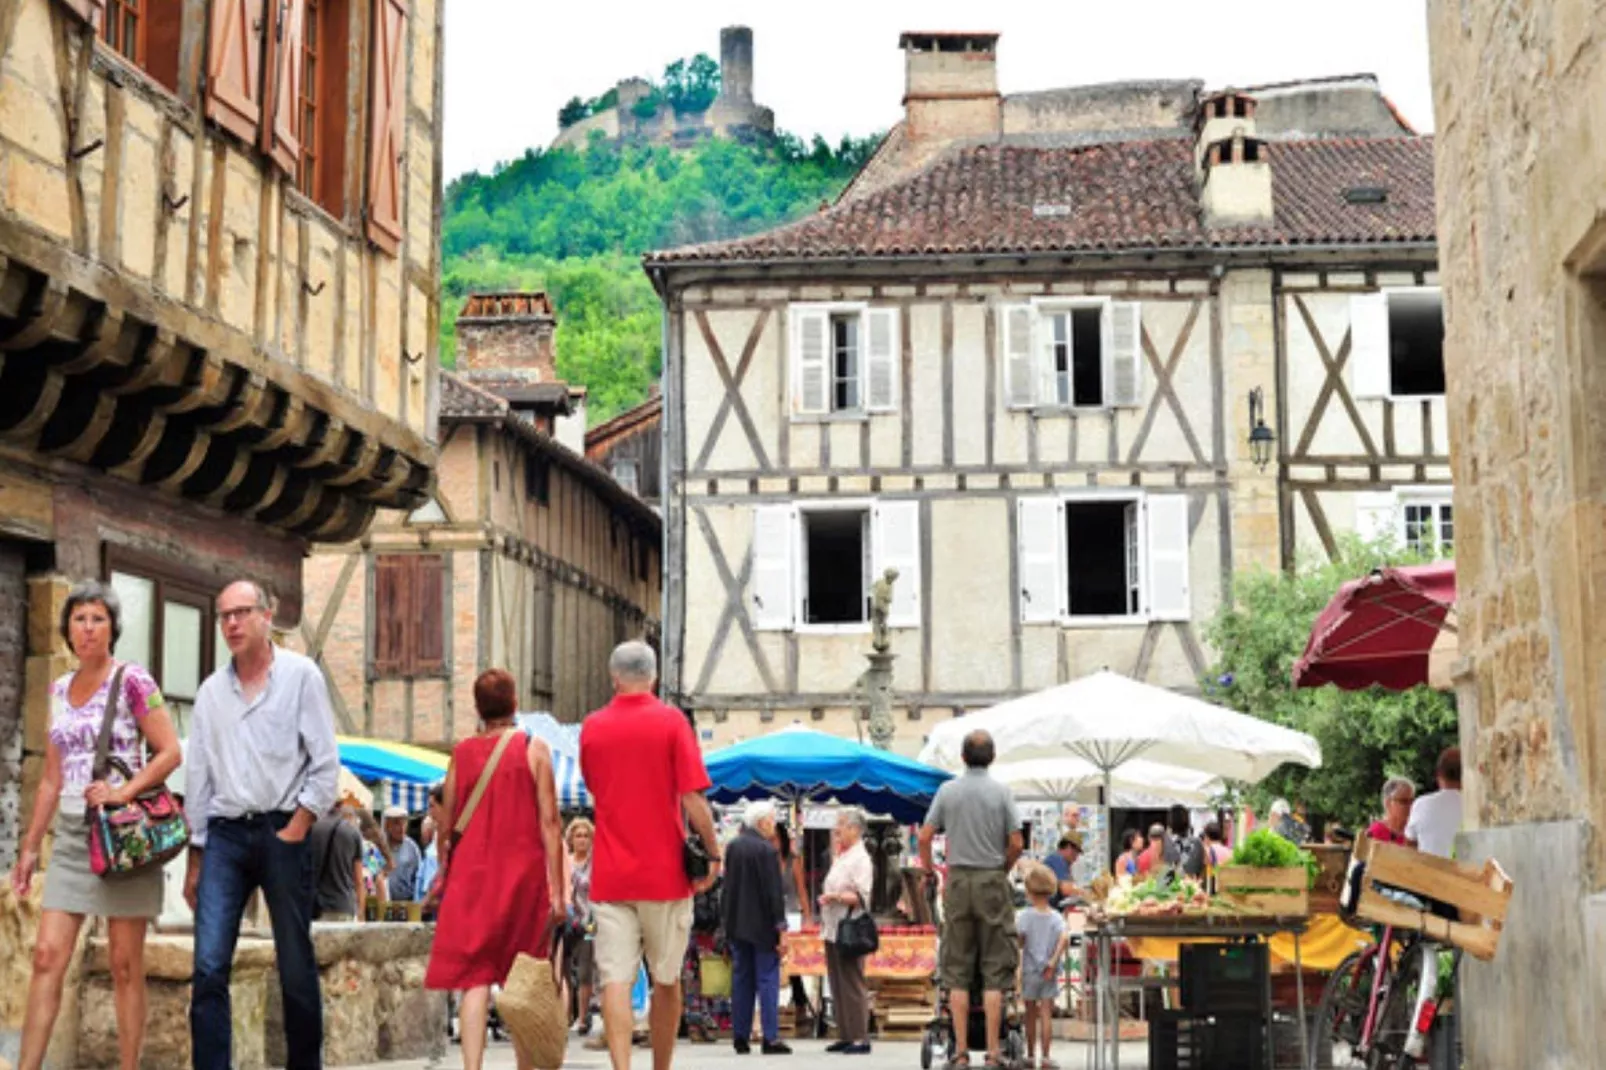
(1123, 341)
(1020, 386)
(881, 365)
(1048, 389)
(1043, 592)
(770, 595)
(897, 545)
(1369, 344)
(810, 361)
(1168, 557)
(1377, 516)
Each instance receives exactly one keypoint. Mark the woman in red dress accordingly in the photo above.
(502, 877)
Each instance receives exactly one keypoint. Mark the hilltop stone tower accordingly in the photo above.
(736, 65)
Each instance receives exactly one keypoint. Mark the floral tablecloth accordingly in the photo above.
(902, 956)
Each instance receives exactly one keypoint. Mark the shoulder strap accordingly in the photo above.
(483, 782)
(114, 702)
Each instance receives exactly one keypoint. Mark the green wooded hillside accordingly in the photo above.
(576, 224)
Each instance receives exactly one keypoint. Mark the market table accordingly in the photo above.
(903, 956)
(1104, 932)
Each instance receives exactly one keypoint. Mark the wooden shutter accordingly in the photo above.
(1047, 372)
(1041, 559)
(1369, 344)
(91, 11)
(1377, 516)
(811, 328)
(1016, 339)
(282, 138)
(896, 538)
(387, 107)
(881, 327)
(234, 67)
(429, 611)
(1168, 557)
(390, 614)
(770, 595)
(1123, 341)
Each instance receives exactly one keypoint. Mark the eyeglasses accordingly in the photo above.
(228, 615)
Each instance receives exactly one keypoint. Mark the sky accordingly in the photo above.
(832, 67)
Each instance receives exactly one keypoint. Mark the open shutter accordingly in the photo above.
(1377, 516)
(1043, 592)
(429, 598)
(770, 598)
(387, 106)
(281, 138)
(91, 11)
(1020, 387)
(390, 614)
(1168, 557)
(810, 331)
(234, 67)
(1047, 327)
(881, 326)
(1123, 341)
(1369, 344)
(897, 545)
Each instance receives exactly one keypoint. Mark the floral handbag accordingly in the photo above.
(137, 835)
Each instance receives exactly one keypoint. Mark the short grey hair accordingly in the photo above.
(1392, 786)
(758, 812)
(88, 593)
(853, 816)
(633, 660)
(264, 599)
(1280, 806)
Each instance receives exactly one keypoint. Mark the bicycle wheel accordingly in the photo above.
(1341, 1014)
(1399, 1004)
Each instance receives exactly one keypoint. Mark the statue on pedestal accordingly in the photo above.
(876, 681)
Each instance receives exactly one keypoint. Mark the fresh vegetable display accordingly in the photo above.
(1267, 850)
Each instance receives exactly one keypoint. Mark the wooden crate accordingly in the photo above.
(1334, 861)
(1480, 893)
(1282, 892)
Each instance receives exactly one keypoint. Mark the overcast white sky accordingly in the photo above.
(833, 66)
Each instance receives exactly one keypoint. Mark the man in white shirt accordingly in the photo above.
(1436, 817)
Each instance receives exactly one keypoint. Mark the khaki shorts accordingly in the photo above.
(628, 931)
(978, 931)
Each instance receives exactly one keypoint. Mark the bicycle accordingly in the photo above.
(1367, 1008)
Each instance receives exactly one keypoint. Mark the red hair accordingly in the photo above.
(495, 695)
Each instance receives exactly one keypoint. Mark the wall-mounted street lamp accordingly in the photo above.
(1261, 440)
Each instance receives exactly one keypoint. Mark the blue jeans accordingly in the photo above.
(241, 856)
(754, 967)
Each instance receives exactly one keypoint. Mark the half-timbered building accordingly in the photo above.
(218, 274)
(630, 448)
(1014, 363)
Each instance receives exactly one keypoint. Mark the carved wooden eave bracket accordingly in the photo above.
(100, 371)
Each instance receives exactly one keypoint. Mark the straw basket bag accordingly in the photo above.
(532, 1009)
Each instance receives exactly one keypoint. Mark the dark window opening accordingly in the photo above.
(1087, 347)
(845, 362)
(1251, 150)
(536, 480)
(1100, 562)
(1416, 343)
(835, 542)
(643, 559)
(322, 172)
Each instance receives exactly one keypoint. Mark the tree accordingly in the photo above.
(1366, 736)
(572, 112)
(691, 86)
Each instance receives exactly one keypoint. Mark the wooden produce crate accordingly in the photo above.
(1480, 893)
(1334, 861)
(1266, 892)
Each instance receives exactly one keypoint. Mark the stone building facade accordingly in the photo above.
(1015, 365)
(630, 448)
(1520, 100)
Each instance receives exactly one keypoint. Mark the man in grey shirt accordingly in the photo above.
(983, 827)
(262, 767)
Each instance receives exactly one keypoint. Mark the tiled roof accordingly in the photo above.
(1133, 195)
(462, 399)
(603, 435)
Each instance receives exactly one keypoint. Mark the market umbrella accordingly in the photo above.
(799, 765)
(1390, 629)
(1138, 782)
(563, 740)
(383, 759)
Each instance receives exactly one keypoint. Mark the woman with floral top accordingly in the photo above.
(91, 622)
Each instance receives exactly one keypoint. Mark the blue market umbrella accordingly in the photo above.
(800, 765)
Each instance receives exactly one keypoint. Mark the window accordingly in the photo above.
(409, 622)
(538, 480)
(1103, 557)
(169, 625)
(1081, 353)
(1397, 341)
(321, 92)
(1420, 519)
(623, 471)
(844, 359)
(814, 563)
(1428, 527)
(146, 34)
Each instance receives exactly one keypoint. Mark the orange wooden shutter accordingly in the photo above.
(429, 601)
(390, 614)
(387, 107)
(234, 67)
(91, 11)
(281, 138)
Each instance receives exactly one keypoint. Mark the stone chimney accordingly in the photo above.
(951, 87)
(1230, 162)
(736, 64)
(511, 333)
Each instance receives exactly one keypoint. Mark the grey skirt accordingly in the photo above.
(71, 887)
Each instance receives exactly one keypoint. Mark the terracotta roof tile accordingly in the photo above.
(462, 399)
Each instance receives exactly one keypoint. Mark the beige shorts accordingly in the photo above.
(628, 931)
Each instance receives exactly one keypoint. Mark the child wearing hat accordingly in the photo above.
(1042, 947)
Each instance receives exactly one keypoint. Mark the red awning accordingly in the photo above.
(1380, 629)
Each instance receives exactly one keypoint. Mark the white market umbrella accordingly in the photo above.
(1138, 782)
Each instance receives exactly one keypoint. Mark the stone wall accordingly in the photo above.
(1520, 100)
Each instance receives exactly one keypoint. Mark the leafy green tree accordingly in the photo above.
(1366, 736)
(691, 86)
(647, 105)
(572, 112)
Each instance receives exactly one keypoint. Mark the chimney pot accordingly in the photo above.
(951, 86)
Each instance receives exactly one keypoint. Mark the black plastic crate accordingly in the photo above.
(1181, 1041)
(1225, 978)
(1176, 1041)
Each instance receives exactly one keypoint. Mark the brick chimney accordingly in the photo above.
(951, 86)
(508, 332)
(1230, 162)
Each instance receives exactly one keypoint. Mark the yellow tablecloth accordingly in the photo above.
(1322, 947)
(901, 957)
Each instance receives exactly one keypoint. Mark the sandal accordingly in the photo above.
(959, 1062)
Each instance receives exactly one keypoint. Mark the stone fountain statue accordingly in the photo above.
(876, 681)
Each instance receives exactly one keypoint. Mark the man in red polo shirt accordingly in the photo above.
(645, 773)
